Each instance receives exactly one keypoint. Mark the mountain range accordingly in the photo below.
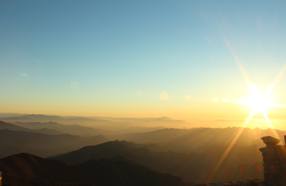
(26, 140)
(191, 154)
(41, 130)
(192, 167)
(61, 128)
(107, 125)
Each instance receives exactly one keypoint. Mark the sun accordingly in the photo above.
(260, 103)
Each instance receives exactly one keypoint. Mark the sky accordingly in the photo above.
(187, 60)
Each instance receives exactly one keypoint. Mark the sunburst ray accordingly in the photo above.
(253, 111)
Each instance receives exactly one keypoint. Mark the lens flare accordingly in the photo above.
(258, 103)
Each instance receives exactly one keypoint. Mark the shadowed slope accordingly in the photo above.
(166, 162)
(160, 161)
(242, 162)
(26, 168)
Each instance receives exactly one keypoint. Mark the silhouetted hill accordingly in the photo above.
(29, 166)
(166, 162)
(240, 163)
(132, 151)
(12, 142)
(27, 169)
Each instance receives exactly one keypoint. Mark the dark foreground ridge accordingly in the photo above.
(29, 170)
(255, 182)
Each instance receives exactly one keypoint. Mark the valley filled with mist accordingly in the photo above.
(191, 154)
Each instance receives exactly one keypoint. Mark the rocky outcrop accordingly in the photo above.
(274, 158)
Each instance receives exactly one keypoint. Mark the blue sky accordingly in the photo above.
(108, 57)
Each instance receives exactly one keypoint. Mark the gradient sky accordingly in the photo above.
(140, 58)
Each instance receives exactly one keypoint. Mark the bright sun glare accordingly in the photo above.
(260, 103)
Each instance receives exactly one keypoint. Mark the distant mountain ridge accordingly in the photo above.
(56, 117)
(70, 129)
(12, 142)
(182, 140)
(116, 125)
(9, 126)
